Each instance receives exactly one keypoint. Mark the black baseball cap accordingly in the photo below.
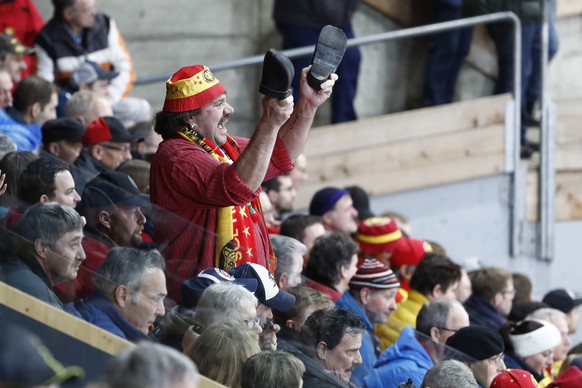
(11, 44)
(65, 128)
(110, 188)
(562, 299)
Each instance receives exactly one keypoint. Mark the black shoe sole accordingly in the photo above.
(329, 52)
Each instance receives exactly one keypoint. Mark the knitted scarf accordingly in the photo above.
(235, 240)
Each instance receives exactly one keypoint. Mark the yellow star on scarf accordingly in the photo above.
(250, 252)
(243, 211)
(246, 231)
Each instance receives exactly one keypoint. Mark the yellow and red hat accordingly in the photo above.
(378, 235)
(190, 88)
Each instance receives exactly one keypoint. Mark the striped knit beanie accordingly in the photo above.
(374, 274)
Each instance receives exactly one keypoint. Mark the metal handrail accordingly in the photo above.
(513, 146)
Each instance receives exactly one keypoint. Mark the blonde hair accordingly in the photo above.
(221, 350)
(272, 369)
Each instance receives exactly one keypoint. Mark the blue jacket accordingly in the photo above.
(368, 349)
(99, 311)
(405, 359)
(27, 137)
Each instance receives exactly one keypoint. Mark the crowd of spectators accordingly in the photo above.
(185, 240)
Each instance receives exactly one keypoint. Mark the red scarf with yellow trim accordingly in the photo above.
(235, 241)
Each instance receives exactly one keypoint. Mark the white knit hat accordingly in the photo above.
(544, 338)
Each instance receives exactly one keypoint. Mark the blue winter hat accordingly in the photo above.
(325, 199)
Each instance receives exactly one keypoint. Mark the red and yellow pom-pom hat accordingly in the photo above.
(190, 88)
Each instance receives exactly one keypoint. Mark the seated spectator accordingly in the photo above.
(111, 205)
(447, 374)
(464, 289)
(62, 139)
(558, 319)
(12, 165)
(336, 337)
(144, 150)
(6, 87)
(26, 362)
(514, 378)
(529, 345)
(34, 103)
(435, 277)
(272, 369)
(289, 254)
(12, 54)
(48, 180)
(176, 322)
(151, 365)
(221, 351)
(304, 228)
(228, 302)
(523, 287)
(130, 287)
(567, 302)
(336, 209)
(405, 258)
(370, 297)
(45, 250)
(492, 297)
(281, 193)
(87, 106)
(307, 300)
(481, 348)
(415, 352)
(332, 263)
(107, 144)
(270, 298)
(361, 202)
(139, 171)
(89, 76)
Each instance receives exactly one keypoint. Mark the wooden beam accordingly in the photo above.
(61, 321)
(395, 167)
(406, 126)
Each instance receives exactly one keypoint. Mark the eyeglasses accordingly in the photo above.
(447, 329)
(251, 321)
(121, 149)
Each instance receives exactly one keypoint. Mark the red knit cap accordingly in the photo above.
(378, 235)
(570, 378)
(514, 378)
(373, 274)
(190, 88)
(409, 252)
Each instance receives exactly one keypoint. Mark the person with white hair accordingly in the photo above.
(151, 365)
(449, 373)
